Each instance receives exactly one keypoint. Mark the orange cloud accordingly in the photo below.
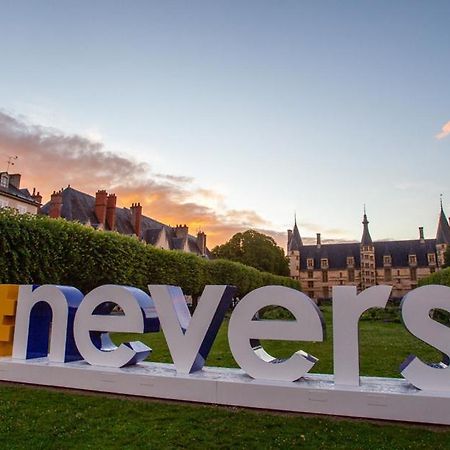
(445, 131)
(50, 159)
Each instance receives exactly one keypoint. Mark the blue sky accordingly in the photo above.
(269, 107)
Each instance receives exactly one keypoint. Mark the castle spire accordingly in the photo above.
(366, 239)
(295, 243)
(443, 231)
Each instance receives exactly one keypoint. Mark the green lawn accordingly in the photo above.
(43, 418)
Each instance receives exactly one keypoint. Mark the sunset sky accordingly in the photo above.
(229, 115)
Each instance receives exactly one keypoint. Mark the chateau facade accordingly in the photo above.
(399, 264)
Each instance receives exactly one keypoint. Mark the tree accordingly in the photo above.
(256, 250)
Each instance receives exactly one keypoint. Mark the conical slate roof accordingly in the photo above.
(443, 231)
(296, 241)
(366, 239)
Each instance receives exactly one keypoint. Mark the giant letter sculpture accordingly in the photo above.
(139, 316)
(36, 310)
(190, 338)
(244, 332)
(416, 307)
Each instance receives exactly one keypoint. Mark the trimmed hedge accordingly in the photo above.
(40, 250)
(439, 277)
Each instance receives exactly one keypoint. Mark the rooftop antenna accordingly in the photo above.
(11, 160)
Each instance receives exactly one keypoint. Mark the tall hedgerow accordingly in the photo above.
(40, 250)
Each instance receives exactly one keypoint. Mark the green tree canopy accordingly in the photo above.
(254, 249)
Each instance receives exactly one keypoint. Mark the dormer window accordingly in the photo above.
(412, 259)
(350, 261)
(387, 260)
(431, 258)
(4, 180)
(310, 263)
(324, 263)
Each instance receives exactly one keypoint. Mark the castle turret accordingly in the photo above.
(367, 251)
(293, 251)
(442, 237)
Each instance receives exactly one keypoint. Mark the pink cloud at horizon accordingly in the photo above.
(50, 159)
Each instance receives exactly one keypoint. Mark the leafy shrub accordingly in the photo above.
(440, 277)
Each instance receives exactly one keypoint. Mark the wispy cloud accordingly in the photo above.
(445, 131)
(50, 159)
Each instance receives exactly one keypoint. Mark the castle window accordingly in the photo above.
(413, 273)
(324, 263)
(310, 274)
(311, 294)
(326, 292)
(387, 274)
(351, 274)
(387, 260)
(431, 258)
(310, 263)
(350, 261)
(412, 259)
(325, 276)
(310, 284)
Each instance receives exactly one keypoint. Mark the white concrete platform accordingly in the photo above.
(376, 398)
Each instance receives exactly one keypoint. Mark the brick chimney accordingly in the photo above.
(181, 231)
(56, 203)
(136, 218)
(100, 206)
(14, 180)
(319, 240)
(201, 242)
(111, 211)
(421, 236)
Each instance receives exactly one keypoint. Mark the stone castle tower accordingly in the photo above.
(367, 250)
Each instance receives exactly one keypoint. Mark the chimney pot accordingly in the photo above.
(136, 217)
(421, 235)
(201, 242)
(101, 198)
(319, 240)
(55, 205)
(111, 211)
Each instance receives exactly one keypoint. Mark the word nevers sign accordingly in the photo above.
(59, 337)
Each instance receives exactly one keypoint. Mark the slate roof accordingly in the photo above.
(21, 194)
(81, 207)
(366, 239)
(399, 252)
(443, 231)
(295, 243)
